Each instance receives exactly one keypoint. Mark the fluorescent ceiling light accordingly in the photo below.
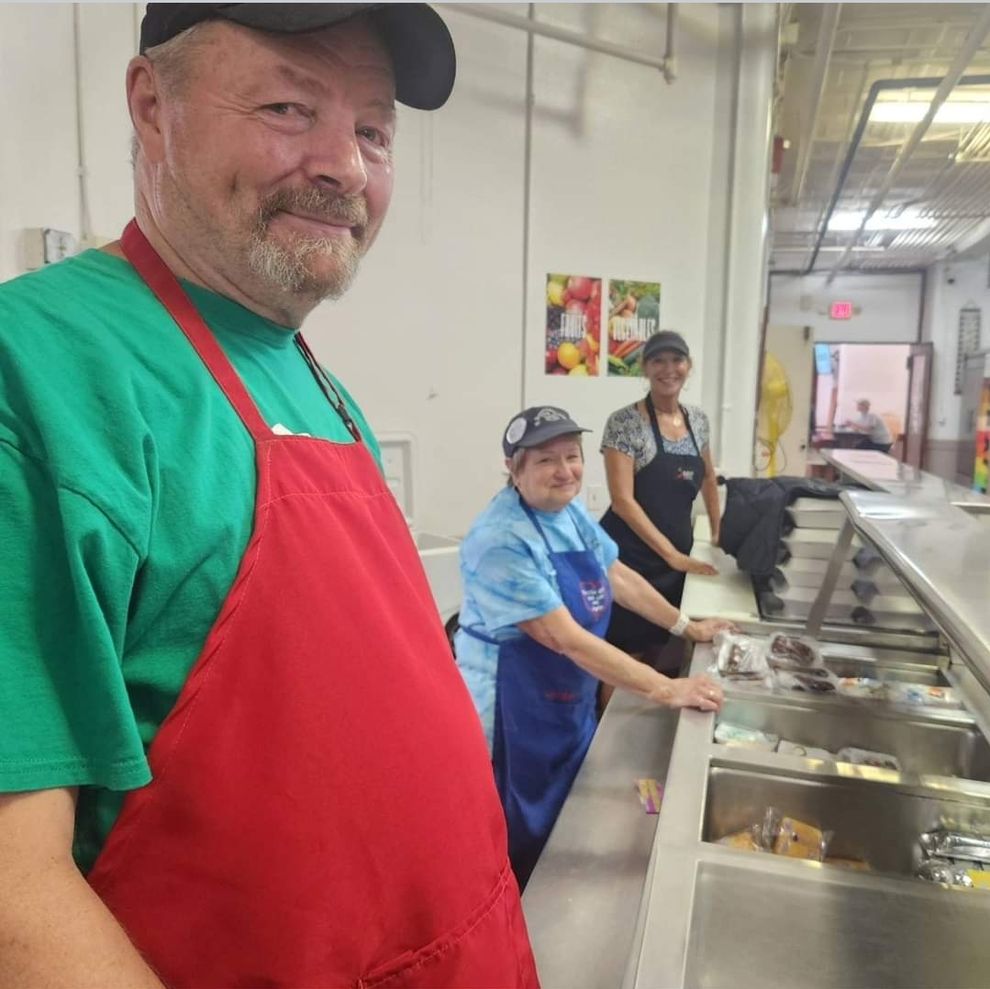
(911, 111)
(907, 220)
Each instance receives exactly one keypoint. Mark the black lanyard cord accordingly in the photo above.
(328, 388)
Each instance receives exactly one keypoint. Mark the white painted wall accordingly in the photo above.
(951, 286)
(889, 306)
(441, 336)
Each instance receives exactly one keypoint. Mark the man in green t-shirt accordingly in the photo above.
(207, 606)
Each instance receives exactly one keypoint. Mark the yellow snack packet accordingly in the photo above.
(650, 795)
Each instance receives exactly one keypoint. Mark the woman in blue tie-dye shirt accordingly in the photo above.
(539, 579)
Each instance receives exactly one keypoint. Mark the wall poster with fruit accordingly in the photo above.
(633, 316)
(574, 324)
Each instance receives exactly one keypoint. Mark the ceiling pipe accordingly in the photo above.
(945, 87)
(666, 64)
(880, 86)
(819, 72)
(889, 270)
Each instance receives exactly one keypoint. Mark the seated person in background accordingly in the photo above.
(876, 435)
(539, 576)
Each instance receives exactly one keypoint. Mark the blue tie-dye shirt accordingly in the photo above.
(508, 578)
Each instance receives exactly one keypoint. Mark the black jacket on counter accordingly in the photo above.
(756, 520)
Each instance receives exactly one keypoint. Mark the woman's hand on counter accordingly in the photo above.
(688, 564)
(704, 631)
(699, 692)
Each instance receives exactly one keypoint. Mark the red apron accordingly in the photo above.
(322, 811)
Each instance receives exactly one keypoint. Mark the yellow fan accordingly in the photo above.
(776, 409)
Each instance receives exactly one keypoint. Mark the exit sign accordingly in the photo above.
(840, 310)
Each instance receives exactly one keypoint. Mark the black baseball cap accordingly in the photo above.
(665, 340)
(537, 425)
(415, 35)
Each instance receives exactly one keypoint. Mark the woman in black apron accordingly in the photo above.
(653, 492)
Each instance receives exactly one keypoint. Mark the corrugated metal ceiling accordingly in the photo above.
(946, 180)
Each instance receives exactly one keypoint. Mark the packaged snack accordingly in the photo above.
(799, 840)
(747, 840)
(979, 878)
(728, 734)
(858, 864)
(792, 652)
(864, 757)
(650, 794)
(814, 681)
(781, 835)
(956, 845)
(922, 695)
(805, 751)
(862, 688)
(740, 657)
(943, 871)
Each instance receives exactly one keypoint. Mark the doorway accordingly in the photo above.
(880, 373)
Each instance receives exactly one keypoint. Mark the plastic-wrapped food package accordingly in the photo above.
(729, 734)
(943, 871)
(922, 695)
(740, 658)
(817, 680)
(805, 751)
(942, 843)
(799, 840)
(980, 877)
(865, 757)
(781, 835)
(862, 688)
(792, 652)
(748, 840)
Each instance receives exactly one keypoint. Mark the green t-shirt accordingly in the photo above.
(127, 488)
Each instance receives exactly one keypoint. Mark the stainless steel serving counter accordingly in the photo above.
(583, 898)
(619, 901)
(714, 916)
(880, 472)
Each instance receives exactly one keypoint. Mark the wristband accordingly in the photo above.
(679, 627)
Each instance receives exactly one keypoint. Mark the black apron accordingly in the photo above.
(665, 489)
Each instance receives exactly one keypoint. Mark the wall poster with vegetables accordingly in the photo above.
(633, 316)
(574, 324)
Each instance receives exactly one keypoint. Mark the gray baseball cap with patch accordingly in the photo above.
(537, 425)
(415, 35)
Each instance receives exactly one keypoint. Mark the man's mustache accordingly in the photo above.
(323, 205)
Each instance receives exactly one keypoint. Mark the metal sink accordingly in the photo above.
(830, 929)
(923, 745)
(878, 822)
(907, 671)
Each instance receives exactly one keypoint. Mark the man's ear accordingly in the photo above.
(144, 103)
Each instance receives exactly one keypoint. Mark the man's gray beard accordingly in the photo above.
(286, 267)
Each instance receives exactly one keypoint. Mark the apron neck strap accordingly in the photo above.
(539, 528)
(170, 294)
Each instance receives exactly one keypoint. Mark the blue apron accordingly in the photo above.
(545, 709)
